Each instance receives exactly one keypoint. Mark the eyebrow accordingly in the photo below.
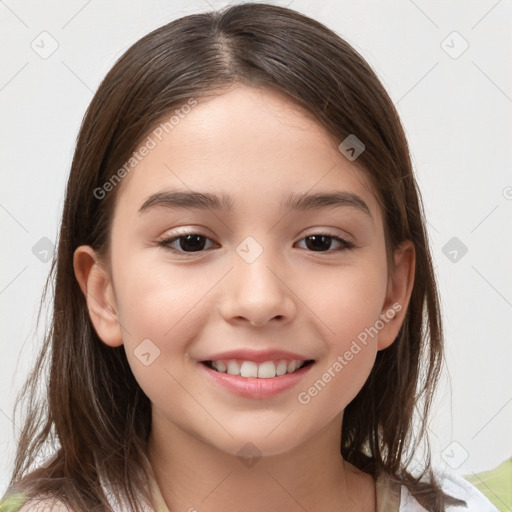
(208, 201)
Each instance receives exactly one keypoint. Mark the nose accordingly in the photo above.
(256, 293)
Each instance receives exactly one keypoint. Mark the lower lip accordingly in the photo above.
(253, 387)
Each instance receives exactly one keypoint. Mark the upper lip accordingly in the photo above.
(258, 356)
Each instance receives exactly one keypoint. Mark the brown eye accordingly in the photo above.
(323, 243)
(192, 242)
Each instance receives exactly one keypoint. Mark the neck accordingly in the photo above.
(193, 475)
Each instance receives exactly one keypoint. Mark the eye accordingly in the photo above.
(323, 242)
(186, 243)
(195, 242)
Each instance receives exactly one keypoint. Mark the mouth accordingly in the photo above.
(251, 369)
(257, 375)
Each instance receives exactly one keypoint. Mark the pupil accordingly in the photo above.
(320, 243)
(192, 243)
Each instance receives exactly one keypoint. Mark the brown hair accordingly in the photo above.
(94, 410)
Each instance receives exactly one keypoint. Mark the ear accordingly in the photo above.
(96, 285)
(400, 284)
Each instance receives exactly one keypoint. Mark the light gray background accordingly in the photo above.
(456, 110)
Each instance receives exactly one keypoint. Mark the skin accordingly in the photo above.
(256, 146)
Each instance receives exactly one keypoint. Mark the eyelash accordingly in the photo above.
(344, 244)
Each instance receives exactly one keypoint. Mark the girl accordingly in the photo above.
(245, 312)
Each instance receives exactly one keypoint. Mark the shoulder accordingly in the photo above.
(459, 487)
(455, 486)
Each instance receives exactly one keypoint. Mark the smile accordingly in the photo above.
(256, 380)
(265, 370)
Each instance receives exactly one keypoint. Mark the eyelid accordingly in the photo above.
(170, 238)
(330, 232)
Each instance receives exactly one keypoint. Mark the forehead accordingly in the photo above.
(255, 144)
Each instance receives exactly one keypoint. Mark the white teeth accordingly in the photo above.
(281, 368)
(292, 366)
(233, 368)
(219, 366)
(249, 369)
(266, 370)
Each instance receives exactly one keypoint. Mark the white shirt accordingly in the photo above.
(455, 486)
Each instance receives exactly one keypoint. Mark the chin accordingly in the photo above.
(256, 442)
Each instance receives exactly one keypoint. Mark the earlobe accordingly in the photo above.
(96, 285)
(400, 285)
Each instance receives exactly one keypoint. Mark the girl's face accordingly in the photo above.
(264, 269)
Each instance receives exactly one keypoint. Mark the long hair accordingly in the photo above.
(94, 413)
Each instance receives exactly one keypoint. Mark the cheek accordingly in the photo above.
(159, 301)
(160, 312)
(349, 312)
(347, 300)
